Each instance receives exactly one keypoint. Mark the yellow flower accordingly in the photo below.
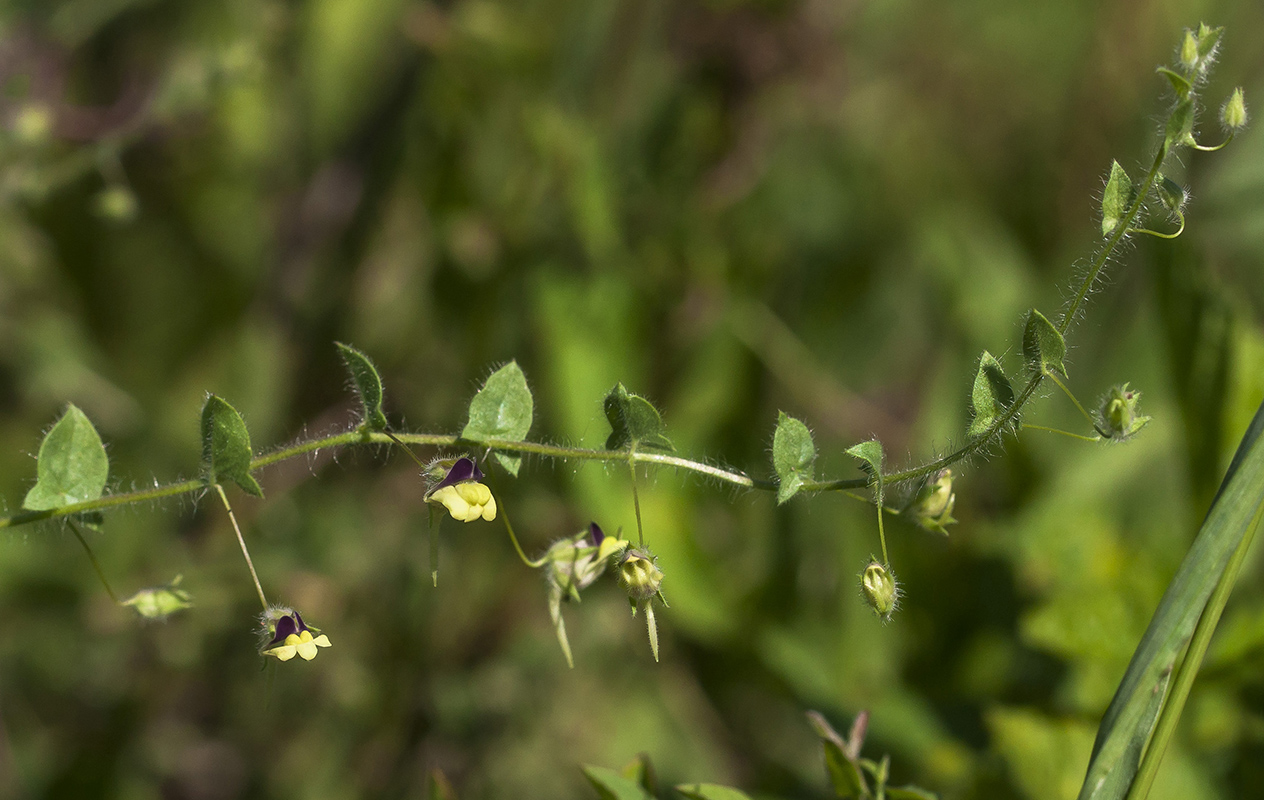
(288, 636)
(460, 492)
(466, 502)
(301, 644)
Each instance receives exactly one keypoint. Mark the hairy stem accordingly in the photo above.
(95, 564)
(241, 540)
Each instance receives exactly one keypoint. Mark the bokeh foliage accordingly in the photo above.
(731, 208)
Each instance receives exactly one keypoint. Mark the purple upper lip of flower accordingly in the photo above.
(287, 625)
(595, 534)
(463, 470)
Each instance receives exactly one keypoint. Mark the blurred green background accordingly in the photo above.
(827, 208)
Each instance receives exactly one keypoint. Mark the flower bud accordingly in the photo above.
(639, 575)
(1171, 194)
(1189, 51)
(160, 602)
(932, 507)
(1233, 112)
(1118, 413)
(882, 593)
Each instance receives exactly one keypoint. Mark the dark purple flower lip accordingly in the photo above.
(285, 626)
(463, 470)
(595, 534)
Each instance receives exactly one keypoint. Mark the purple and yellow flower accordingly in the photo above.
(573, 564)
(287, 635)
(461, 493)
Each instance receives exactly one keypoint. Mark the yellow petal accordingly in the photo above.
(322, 641)
(489, 508)
(285, 652)
(476, 494)
(294, 639)
(452, 501)
(307, 650)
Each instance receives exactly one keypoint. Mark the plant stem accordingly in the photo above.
(1061, 432)
(500, 505)
(1076, 401)
(636, 500)
(241, 540)
(95, 565)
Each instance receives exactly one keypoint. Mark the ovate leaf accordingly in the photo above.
(793, 454)
(992, 395)
(502, 409)
(226, 452)
(634, 421)
(1043, 346)
(368, 385)
(72, 465)
(613, 786)
(870, 455)
(710, 791)
(1179, 82)
(1116, 198)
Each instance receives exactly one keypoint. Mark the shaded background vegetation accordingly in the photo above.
(733, 207)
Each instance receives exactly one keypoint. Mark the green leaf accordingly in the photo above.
(909, 793)
(992, 395)
(870, 453)
(613, 786)
(502, 409)
(1131, 716)
(72, 465)
(368, 385)
(1116, 198)
(840, 766)
(793, 454)
(226, 452)
(1180, 126)
(634, 421)
(710, 791)
(1043, 346)
(1179, 82)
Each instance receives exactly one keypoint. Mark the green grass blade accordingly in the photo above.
(1133, 712)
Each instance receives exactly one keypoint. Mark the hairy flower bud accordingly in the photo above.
(1118, 413)
(881, 591)
(1189, 51)
(160, 602)
(932, 507)
(1233, 112)
(639, 575)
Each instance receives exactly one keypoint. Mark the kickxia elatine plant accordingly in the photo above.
(72, 471)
